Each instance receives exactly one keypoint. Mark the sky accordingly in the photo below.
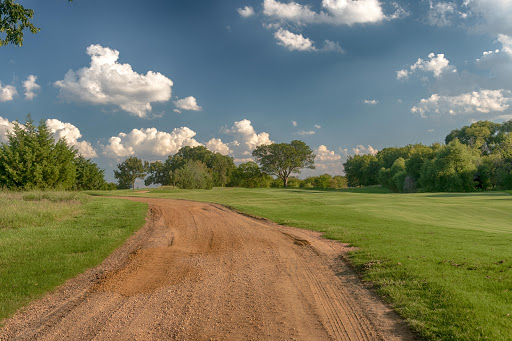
(145, 78)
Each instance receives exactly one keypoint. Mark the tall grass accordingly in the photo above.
(49, 237)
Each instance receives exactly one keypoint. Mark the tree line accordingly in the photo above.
(474, 157)
(200, 168)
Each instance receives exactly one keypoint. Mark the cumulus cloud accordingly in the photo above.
(217, 146)
(71, 134)
(187, 103)
(294, 123)
(362, 150)
(306, 132)
(5, 127)
(324, 154)
(317, 126)
(332, 46)
(246, 12)
(7, 92)
(149, 143)
(371, 101)
(247, 136)
(335, 12)
(106, 81)
(437, 64)
(293, 42)
(30, 86)
(483, 102)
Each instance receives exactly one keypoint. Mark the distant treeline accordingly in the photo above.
(32, 159)
(475, 157)
(198, 167)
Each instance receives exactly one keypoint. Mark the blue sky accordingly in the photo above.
(122, 78)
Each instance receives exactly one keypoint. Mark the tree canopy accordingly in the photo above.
(130, 170)
(283, 159)
(14, 19)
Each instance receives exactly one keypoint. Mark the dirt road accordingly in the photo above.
(202, 272)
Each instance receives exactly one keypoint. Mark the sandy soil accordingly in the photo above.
(202, 272)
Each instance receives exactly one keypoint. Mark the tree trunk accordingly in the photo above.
(134, 185)
(285, 181)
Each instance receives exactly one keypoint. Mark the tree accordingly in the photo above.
(362, 170)
(14, 19)
(32, 159)
(194, 175)
(130, 170)
(249, 175)
(283, 159)
(88, 175)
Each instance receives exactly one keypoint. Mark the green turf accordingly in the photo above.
(48, 237)
(443, 260)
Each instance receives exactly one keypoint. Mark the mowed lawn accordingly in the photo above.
(49, 237)
(444, 260)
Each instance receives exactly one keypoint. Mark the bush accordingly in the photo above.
(193, 175)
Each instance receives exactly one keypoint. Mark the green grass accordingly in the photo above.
(49, 237)
(443, 260)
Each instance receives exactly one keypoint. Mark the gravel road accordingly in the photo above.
(199, 271)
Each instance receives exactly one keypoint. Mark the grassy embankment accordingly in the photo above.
(444, 260)
(49, 237)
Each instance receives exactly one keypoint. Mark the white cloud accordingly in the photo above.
(71, 134)
(246, 12)
(506, 42)
(336, 12)
(187, 103)
(149, 142)
(362, 150)
(332, 46)
(294, 123)
(324, 154)
(371, 101)
(106, 81)
(244, 131)
(437, 64)
(30, 86)
(441, 13)
(483, 102)
(216, 145)
(293, 42)
(5, 127)
(317, 126)
(306, 132)
(7, 92)
(496, 14)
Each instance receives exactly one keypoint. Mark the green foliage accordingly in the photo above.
(193, 175)
(249, 175)
(32, 160)
(130, 170)
(14, 19)
(283, 159)
(220, 166)
(361, 170)
(452, 170)
(88, 175)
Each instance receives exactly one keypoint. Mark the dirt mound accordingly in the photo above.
(201, 272)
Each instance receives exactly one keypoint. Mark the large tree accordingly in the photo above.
(283, 159)
(14, 19)
(32, 159)
(130, 170)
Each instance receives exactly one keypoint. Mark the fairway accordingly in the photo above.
(443, 260)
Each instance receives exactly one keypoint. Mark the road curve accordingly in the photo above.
(198, 271)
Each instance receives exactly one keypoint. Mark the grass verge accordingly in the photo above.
(444, 260)
(49, 237)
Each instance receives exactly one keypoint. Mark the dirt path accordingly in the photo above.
(202, 272)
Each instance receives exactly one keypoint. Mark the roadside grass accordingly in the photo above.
(443, 260)
(49, 237)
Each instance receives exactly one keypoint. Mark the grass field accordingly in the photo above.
(48, 237)
(443, 260)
